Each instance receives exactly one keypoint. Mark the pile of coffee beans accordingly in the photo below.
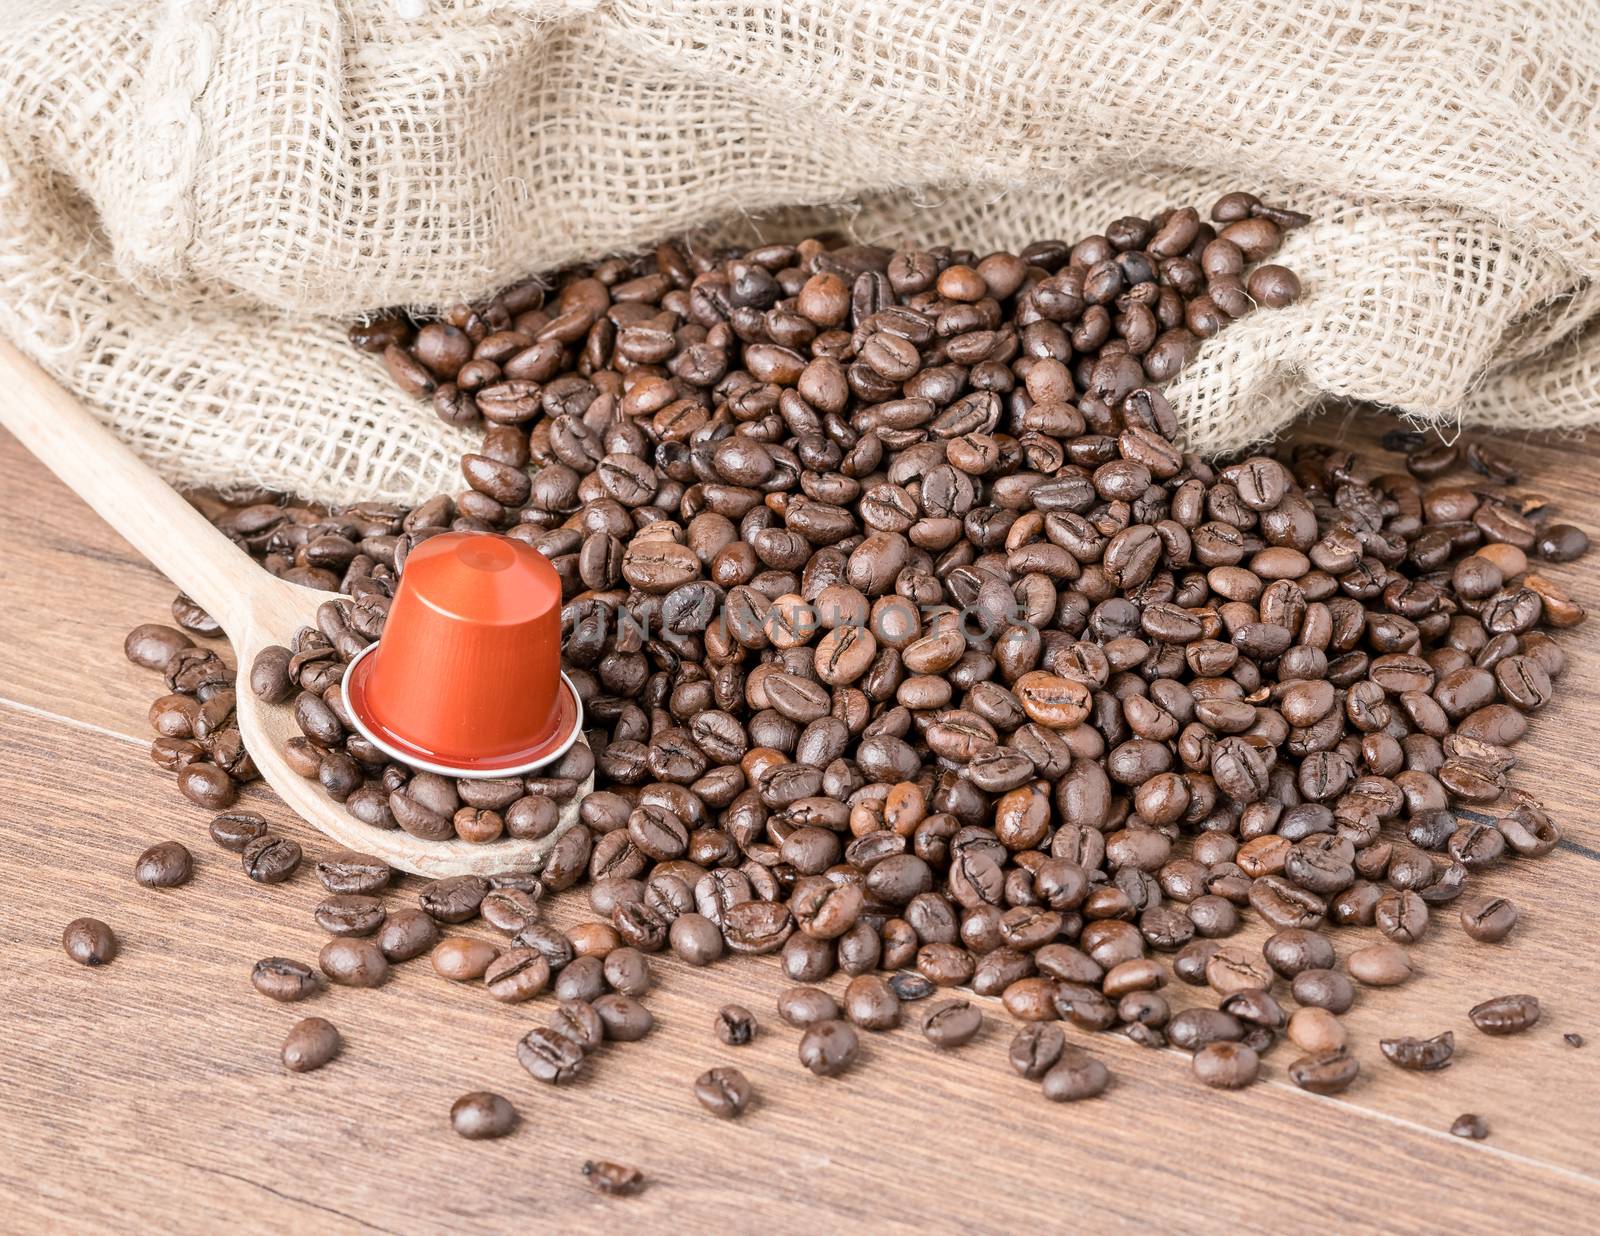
(913, 645)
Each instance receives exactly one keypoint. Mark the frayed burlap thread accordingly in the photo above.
(197, 195)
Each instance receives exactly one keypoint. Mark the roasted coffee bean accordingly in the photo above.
(346, 871)
(1035, 1049)
(756, 926)
(153, 645)
(207, 786)
(515, 976)
(164, 865)
(282, 979)
(482, 1114)
(624, 1019)
(1325, 1072)
(952, 1023)
(1489, 919)
(1379, 965)
(354, 962)
(1470, 1126)
(406, 934)
(723, 1092)
(578, 1021)
(828, 1048)
(627, 971)
(612, 1179)
(311, 1043)
(871, 1003)
(1505, 1014)
(1192, 1029)
(270, 860)
(510, 910)
(1294, 950)
(350, 914)
(584, 978)
(550, 1056)
(736, 1025)
(806, 1006)
(695, 939)
(1315, 1030)
(1423, 1055)
(1076, 1075)
(233, 830)
(454, 899)
(1226, 1066)
(1324, 989)
(89, 942)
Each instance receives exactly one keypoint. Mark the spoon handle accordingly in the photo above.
(177, 539)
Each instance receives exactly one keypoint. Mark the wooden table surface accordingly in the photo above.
(148, 1095)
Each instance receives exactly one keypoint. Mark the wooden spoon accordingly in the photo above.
(254, 608)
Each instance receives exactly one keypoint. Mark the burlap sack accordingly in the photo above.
(195, 195)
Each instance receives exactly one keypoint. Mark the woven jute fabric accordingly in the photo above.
(197, 195)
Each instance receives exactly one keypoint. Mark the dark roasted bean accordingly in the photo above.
(1424, 1055)
(1505, 1014)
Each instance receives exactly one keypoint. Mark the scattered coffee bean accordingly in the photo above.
(455, 899)
(909, 987)
(269, 859)
(349, 914)
(1324, 989)
(1226, 1066)
(550, 1056)
(1325, 1072)
(736, 1025)
(1076, 1075)
(515, 976)
(828, 1048)
(1379, 965)
(348, 872)
(952, 1023)
(509, 909)
(1423, 1055)
(353, 962)
(89, 942)
(153, 645)
(624, 1018)
(233, 830)
(166, 864)
(1474, 1127)
(311, 1043)
(1036, 1048)
(1316, 1031)
(806, 1006)
(1506, 1014)
(723, 1092)
(463, 958)
(1489, 919)
(283, 979)
(582, 979)
(613, 1179)
(482, 1114)
(406, 934)
(869, 1002)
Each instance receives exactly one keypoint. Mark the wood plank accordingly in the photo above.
(158, 1078)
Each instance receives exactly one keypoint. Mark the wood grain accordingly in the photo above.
(149, 1094)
